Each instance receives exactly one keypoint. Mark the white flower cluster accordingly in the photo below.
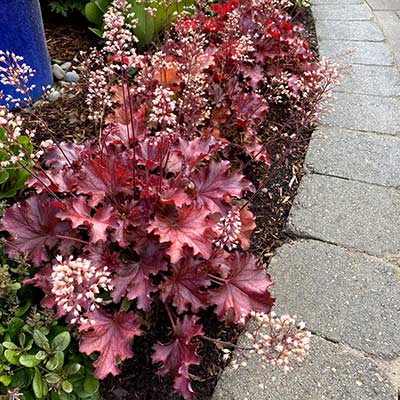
(76, 285)
(119, 23)
(228, 229)
(11, 124)
(162, 111)
(279, 341)
(15, 73)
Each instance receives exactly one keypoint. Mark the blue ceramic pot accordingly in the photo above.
(22, 32)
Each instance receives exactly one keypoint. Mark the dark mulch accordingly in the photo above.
(68, 118)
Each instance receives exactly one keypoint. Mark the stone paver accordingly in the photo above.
(355, 155)
(336, 2)
(371, 79)
(389, 21)
(330, 372)
(369, 53)
(349, 30)
(348, 213)
(340, 294)
(365, 113)
(384, 4)
(344, 12)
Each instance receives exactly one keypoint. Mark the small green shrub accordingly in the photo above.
(13, 175)
(38, 357)
(65, 7)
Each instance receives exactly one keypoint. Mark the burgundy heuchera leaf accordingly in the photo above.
(214, 183)
(80, 213)
(133, 282)
(178, 355)
(33, 225)
(186, 227)
(185, 285)
(111, 336)
(245, 288)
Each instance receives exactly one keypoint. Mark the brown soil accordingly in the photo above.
(67, 117)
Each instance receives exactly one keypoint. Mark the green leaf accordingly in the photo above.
(93, 14)
(41, 355)
(67, 386)
(52, 364)
(5, 380)
(38, 385)
(11, 357)
(52, 378)
(74, 369)
(91, 384)
(41, 340)
(97, 32)
(102, 5)
(10, 345)
(26, 143)
(22, 378)
(29, 360)
(4, 175)
(29, 345)
(14, 327)
(22, 310)
(59, 356)
(61, 341)
(22, 339)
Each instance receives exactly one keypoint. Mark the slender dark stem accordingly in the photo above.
(226, 344)
(72, 238)
(171, 318)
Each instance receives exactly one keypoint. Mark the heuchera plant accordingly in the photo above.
(224, 75)
(147, 228)
(154, 212)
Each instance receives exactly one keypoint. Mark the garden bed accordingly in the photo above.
(121, 201)
(68, 118)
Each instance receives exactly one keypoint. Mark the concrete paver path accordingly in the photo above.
(341, 272)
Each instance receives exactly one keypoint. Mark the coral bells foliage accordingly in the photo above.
(223, 72)
(148, 222)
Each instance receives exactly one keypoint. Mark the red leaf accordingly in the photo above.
(64, 153)
(80, 213)
(102, 220)
(213, 184)
(104, 177)
(75, 210)
(33, 225)
(225, 8)
(185, 226)
(248, 226)
(245, 288)
(128, 229)
(178, 355)
(111, 336)
(190, 153)
(133, 282)
(42, 280)
(184, 286)
(152, 255)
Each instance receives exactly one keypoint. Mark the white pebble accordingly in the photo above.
(53, 96)
(66, 66)
(71, 76)
(58, 72)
